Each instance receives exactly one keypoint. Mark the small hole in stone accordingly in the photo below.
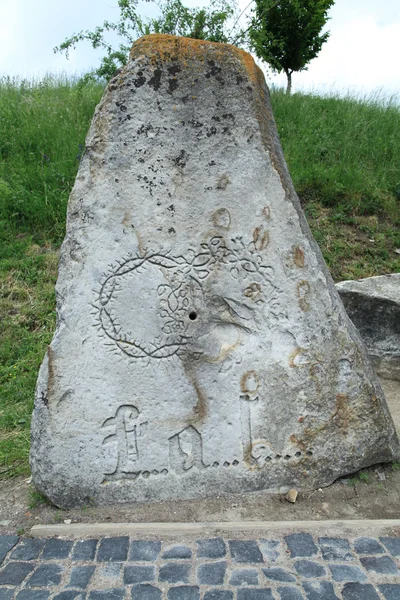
(268, 458)
(235, 463)
(309, 453)
(193, 315)
(298, 454)
(215, 464)
(146, 474)
(287, 457)
(226, 464)
(278, 456)
(164, 472)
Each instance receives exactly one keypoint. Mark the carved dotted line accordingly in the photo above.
(298, 454)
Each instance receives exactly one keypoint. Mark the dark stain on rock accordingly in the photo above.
(140, 80)
(211, 131)
(172, 85)
(181, 159)
(174, 70)
(155, 81)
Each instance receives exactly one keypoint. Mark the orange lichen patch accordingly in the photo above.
(298, 256)
(249, 382)
(164, 48)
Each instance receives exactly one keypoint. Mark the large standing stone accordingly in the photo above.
(373, 304)
(201, 346)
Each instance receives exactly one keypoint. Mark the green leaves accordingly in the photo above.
(287, 33)
(210, 23)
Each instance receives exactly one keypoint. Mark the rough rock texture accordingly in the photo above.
(373, 304)
(201, 346)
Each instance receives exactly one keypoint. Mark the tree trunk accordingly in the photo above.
(289, 82)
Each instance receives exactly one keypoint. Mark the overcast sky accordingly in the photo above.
(361, 56)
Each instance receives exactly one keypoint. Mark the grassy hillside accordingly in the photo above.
(344, 157)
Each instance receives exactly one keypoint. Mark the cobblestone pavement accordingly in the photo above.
(298, 566)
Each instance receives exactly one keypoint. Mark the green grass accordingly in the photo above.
(344, 157)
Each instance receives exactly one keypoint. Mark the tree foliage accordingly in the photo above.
(287, 33)
(210, 23)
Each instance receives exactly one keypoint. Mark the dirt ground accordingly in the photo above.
(373, 494)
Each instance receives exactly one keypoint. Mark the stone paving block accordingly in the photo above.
(114, 594)
(392, 544)
(211, 548)
(139, 574)
(390, 591)
(216, 594)
(279, 574)
(174, 573)
(365, 545)
(84, 550)
(244, 577)
(6, 593)
(56, 549)
(359, 591)
(14, 573)
(145, 591)
(70, 595)
(290, 593)
(309, 569)
(335, 549)
(144, 550)
(270, 549)
(110, 572)
(177, 552)
(113, 549)
(46, 575)
(319, 590)
(383, 565)
(347, 573)
(301, 544)
(184, 592)
(7, 542)
(211, 573)
(28, 549)
(245, 551)
(254, 594)
(33, 595)
(80, 577)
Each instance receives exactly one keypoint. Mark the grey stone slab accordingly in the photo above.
(245, 551)
(146, 550)
(319, 590)
(7, 542)
(271, 549)
(84, 550)
(301, 544)
(81, 576)
(244, 577)
(112, 594)
(392, 544)
(347, 573)
(390, 591)
(359, 591)
(309, 568)
(6, 593)
(365, 545)
(27, 549)
(383, 565)
(252, 593)
(145, 591)
(335, 549)
(184, 592)
(113, 549)
(46, 575)
(14, 573)
(290, 593)
(218, 594)
(177, 552)
(56, 549)
(279, 574)
(211, 573)
(174, 573)
(33, 595)
(373, 304)
(170, 283)
(139, 574)
(211, 548)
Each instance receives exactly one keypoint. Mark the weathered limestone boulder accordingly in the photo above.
(201, 347)
(373, 304)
